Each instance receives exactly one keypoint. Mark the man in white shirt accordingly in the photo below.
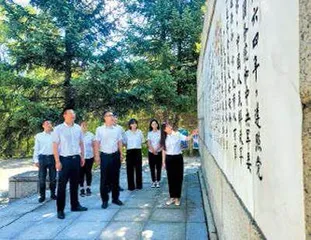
(44, 160)
(68, 149)
(108, 141)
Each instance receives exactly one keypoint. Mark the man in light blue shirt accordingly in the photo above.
(44, 160)
(108, 141)
(68, 149)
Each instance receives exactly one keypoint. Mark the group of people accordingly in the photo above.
(72, 150)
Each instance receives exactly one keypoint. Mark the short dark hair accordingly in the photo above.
(106, 111)
(151, 121)
(45, 120)
(132, 121)
(66, 109)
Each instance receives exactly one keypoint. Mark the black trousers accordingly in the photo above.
(70, 172)
(175, 174)
(155, 164)
(134, 168)
(86, 172)
(109, 175)
(47, 163)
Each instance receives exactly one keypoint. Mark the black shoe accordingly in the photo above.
(88, 192)
(117, 202)
(60, 214)
(121, 189)
(82, 192)
(41, 199)
(105, 205)
(79, 209)
(53, 196)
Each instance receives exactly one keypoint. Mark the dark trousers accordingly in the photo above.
(134, 167)
(175, 174)
(70, 171)
(47, 163)
(86, 172)
(155, 163)
(109, 175)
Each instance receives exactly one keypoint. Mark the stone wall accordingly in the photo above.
(305, 93)
(256, 153)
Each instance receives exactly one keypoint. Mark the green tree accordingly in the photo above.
(165, 35)
(59, 35)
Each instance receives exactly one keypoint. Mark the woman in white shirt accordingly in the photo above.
(133, 140)
(155, 152)
(86, 170)
(173, 161)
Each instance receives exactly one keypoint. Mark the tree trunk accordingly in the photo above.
(68, 89)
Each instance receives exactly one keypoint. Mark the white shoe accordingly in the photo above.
(157, 184)
(153, 185)
(170, 201)
(177, 202)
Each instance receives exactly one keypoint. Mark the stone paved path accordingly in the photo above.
(144, 215)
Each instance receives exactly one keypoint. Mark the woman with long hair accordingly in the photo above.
(154, 152)
(133, 140)
(173, 161)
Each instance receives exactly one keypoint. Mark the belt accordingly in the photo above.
(109, 153)
(71, 157)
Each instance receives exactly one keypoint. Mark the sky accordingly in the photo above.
(21, 2)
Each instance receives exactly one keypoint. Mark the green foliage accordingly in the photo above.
(56, 53)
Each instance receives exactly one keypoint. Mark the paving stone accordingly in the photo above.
(43, 230)
(196, 231)
(196, 203)
(129, 215)
(169, 215)
(163, 231)
(140, 203)
(145, 193)
(144, 214)
(122, 230)
(82, 230)
(38, 216)
(13, 229)
(195, 215)
(97, 215)
(7, 220)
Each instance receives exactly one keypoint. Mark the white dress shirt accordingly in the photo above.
(133, 139)
(173, 143)
(89, 138)
(154, 138)
(43, 145)
(68, 138)
(120, 128)
(108, 138)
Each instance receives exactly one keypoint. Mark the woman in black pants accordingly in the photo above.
(86, 170)
(133, 140)
(154, 153)
(173, 161)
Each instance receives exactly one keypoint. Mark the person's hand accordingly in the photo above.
(163, 165)
(37, 164)
(58, 166)
(82, 162)
(97, 160)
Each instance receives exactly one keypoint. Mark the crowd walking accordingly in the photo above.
(70, 150)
